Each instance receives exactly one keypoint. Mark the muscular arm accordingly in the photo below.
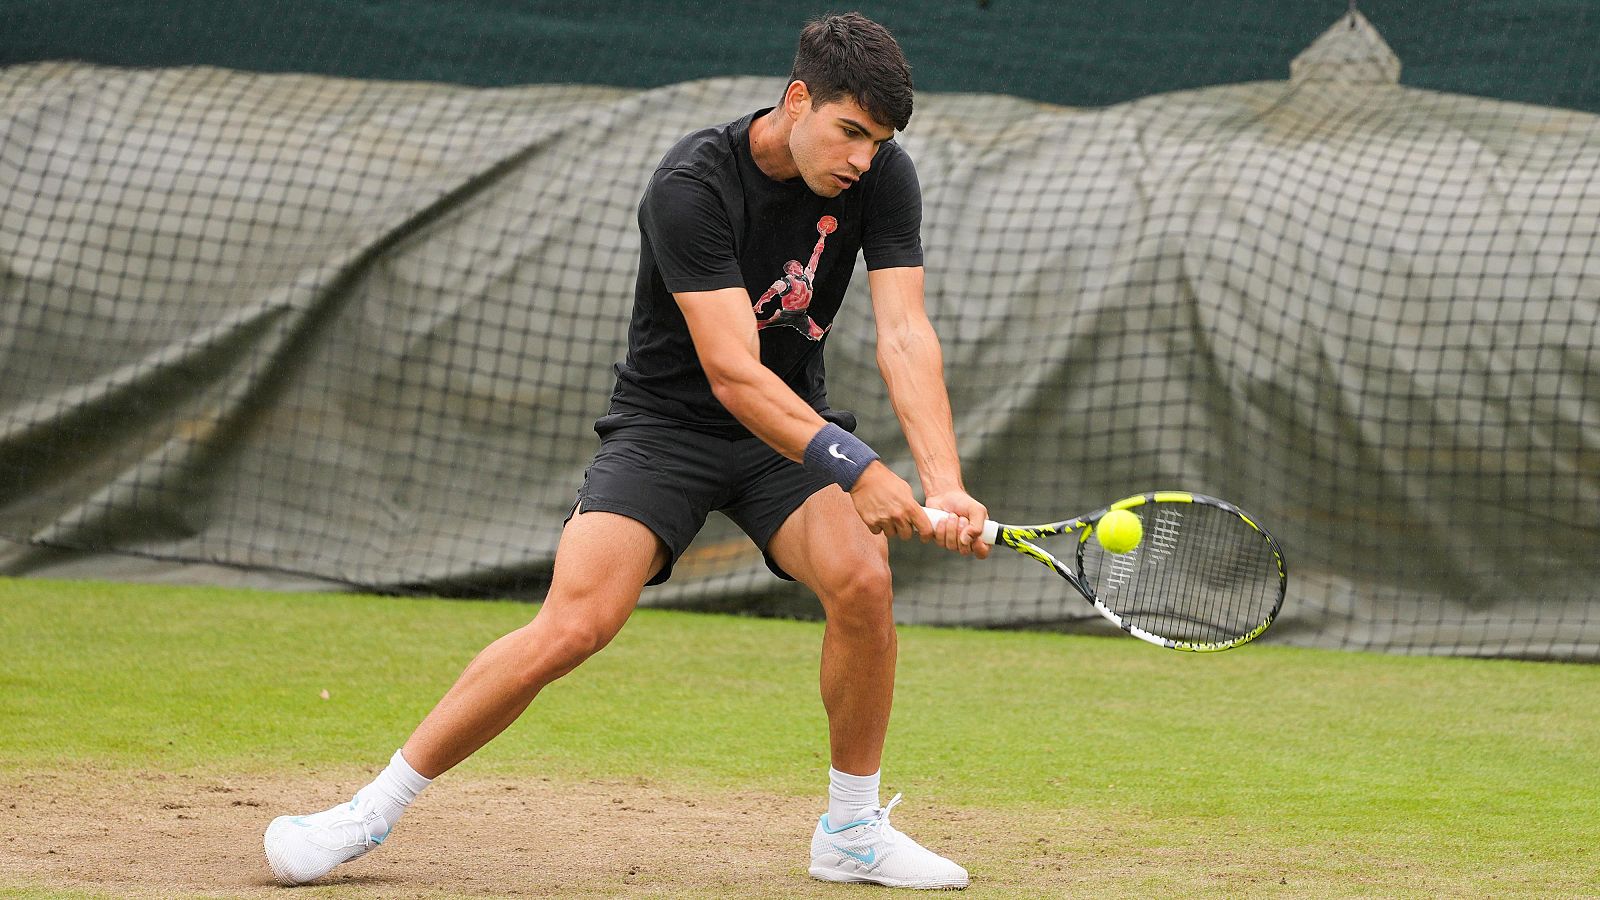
(723, 329)
(912, 365)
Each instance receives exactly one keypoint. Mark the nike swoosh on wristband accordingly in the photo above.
(866, 858)
(833, 450)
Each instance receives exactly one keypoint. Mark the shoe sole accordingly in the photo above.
(823, 873)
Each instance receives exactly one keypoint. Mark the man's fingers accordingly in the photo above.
(972, 534)
(955, 533)
(956, 537)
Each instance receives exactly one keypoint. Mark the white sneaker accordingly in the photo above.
(872, 850)
(305, 848)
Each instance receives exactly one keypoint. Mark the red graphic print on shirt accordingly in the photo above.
(793, 290)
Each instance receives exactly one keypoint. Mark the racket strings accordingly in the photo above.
(1201, 575)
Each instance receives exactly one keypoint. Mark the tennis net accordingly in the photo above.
(356, 331)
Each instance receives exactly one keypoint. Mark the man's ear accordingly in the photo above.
(796, 98)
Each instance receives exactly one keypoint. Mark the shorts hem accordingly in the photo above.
(591, 504)
(761, 543)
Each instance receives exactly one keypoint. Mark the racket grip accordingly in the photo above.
(991, 528)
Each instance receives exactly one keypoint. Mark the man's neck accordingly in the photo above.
(769, 146)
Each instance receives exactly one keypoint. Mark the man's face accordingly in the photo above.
(833, 144)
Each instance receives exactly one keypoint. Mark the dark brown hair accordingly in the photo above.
(851, 55)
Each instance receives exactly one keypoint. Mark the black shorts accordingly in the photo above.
(670, 478)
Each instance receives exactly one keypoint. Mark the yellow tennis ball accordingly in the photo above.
(1119, 531)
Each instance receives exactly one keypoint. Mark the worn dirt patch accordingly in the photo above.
(163, 835)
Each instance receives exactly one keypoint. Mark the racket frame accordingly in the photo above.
(1021, 537)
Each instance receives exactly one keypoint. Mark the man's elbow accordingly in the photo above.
(730, 387)
(906, 344)
(724, 391)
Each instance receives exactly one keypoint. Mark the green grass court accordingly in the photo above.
(1481, 775)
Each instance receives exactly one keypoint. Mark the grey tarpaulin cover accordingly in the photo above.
(358, 331)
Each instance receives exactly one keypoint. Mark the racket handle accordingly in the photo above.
(991, 528)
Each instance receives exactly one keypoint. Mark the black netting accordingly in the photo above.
(358, 331)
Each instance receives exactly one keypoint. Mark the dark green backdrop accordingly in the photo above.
(1535, 51)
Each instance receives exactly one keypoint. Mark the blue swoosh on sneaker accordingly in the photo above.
(864, 858)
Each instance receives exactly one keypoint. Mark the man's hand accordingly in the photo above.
(962, 531)
(885, 503)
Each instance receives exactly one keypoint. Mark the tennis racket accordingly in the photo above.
(1204, 576)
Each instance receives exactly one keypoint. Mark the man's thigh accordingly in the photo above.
(602, 565)
(664, 478)
(825, 546)
(770, 489)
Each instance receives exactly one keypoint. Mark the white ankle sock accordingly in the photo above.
(850, 795)
(394, 789)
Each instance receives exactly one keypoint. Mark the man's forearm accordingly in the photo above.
(773, 412)
(912, 365)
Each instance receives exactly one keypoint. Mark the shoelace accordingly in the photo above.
(880, 819)
(362, 827)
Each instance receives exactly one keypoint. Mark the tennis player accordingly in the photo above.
(715, 409)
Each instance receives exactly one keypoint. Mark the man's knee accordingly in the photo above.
(862, 600)
(577, 641)
(555, 645)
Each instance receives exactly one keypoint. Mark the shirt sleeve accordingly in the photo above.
(691, 239)
(892, 234)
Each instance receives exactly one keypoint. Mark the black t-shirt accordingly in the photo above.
(711, 219)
